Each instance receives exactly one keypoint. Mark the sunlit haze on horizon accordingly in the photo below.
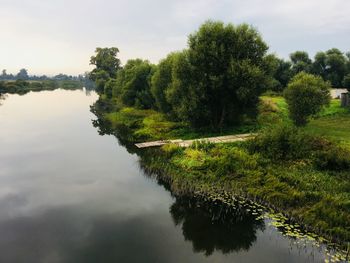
(51, 37)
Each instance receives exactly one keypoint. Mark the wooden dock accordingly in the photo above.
(187, 143)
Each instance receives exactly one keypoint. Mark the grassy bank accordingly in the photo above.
(315, 198)
(296, 171)
(333, 122)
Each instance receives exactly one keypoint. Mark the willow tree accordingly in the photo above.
(221, 75)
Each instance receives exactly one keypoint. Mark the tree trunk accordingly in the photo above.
(222, 118)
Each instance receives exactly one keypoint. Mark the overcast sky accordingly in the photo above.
(53, 36)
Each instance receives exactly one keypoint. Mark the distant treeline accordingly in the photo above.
(24, 75)
(332, 65)
(22, 82)
(22, 86)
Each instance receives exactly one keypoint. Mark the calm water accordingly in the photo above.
(68, 194)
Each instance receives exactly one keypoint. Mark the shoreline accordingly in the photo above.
(157, 164)
(218, 194)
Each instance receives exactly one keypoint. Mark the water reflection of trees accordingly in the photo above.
(104, 127)
(213, 227)
(209, 226)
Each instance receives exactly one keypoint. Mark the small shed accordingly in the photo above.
(337, 93)
(345, 99)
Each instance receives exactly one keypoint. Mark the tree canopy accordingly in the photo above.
(162, 80)
(331, 65)
(133, 84)
(106, 65)
(227, 73)
(217, 80)
(300, 62)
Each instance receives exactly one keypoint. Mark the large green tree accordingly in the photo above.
(306, 95)
(106, 59)
(331, 65)
(347, 54)
(133, 84)
(280, 70)
(300, 62)
(319, 66)
(162, 80)
(100, 77)
(182, 93)
(220, 77)
(336, 67)
(106, 65)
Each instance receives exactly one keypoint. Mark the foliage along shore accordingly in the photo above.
(23, 86)
(215, 87)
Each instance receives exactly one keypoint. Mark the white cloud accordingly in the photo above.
(59, 36)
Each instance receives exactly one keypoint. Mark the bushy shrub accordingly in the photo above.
(36, 85)
(231, 161)
(306, 96)
(288, 143)
(332, 158)
(282, 142)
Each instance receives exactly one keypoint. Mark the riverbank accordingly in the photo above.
(292, 171)
(22, 87)
(91, 189)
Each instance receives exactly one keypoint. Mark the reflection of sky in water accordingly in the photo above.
(70, 195)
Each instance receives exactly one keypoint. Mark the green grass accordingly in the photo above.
(334, 109)
(312, 197)
(147, 125)
(279, 102)
(336, 128)
(333, 122)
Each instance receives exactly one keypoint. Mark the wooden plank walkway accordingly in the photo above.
(187, 143)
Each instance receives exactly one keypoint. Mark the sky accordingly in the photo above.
(59, 36)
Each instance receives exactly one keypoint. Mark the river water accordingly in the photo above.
(68, 194)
